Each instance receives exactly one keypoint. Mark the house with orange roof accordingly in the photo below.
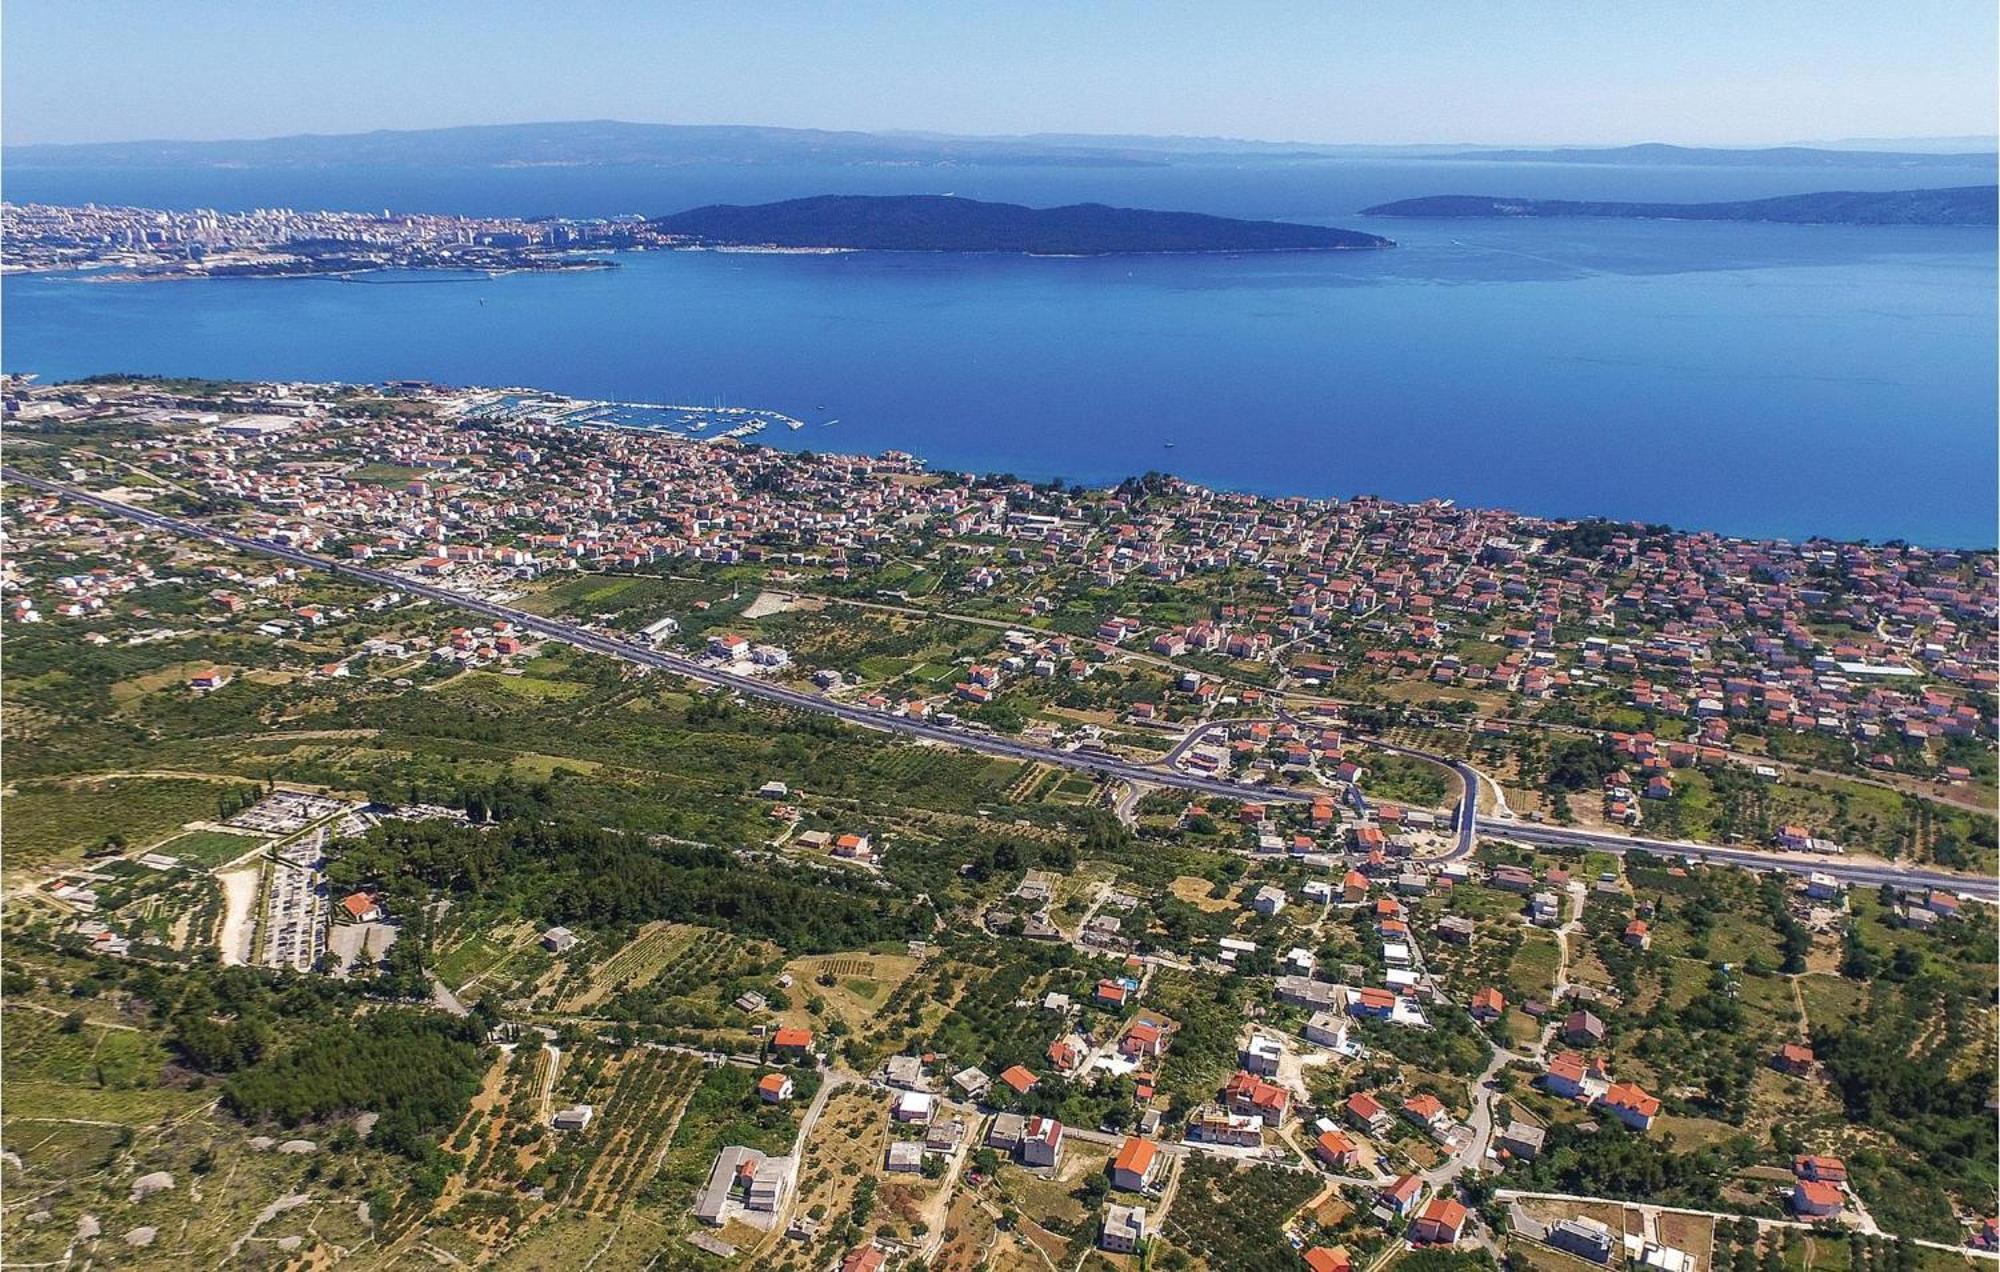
(864, 1259)
(1629, 1103)
(1329, 1259)
(1250, 1096)
(1402, 1195)
(1816, 1200)
(1376, 1003)
(774, 1088)
(1427, 1111)
(1825, 1170)
(1336, 1150)
(1109, 993)
(792, 1038)
(1366, 1112)
(1019, 1079)
(361, 907)
(1488, 1005)
(1439, 1223)
(1041, 1142)
(1143, 1041)
(1566, 1075)
(1793, 1059)
(1137, 1163)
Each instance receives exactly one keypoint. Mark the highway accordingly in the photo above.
(646, 656)
(1864, 873)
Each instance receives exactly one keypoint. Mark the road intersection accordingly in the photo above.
(1161, 773)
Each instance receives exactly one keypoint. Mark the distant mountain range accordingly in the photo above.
(939, 223)
(613, 143)
(1961, 205)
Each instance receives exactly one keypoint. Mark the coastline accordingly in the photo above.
(1501, 373)
(471, 272)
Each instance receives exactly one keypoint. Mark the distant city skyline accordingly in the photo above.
(1281, 70)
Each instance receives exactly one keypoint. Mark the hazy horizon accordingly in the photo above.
(1916, 143)
(1292, 71)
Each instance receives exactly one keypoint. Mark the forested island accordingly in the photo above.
(942, 223)
(1960, 205)
(1660, 154)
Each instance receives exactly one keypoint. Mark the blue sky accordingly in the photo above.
(1553, 71)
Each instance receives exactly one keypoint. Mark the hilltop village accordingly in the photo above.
(482, 836)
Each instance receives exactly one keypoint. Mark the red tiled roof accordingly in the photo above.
(1019, 1078)
(1136, 1157)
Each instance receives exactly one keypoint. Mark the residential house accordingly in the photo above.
(1428, 1112)
(1137, 1164)
(915, 1108)
(573, 1118)
(1143, 1041)
(1303, 991)
(1215, 1126)
(1629, 1103)
(1366, 1112)
(1041, 1142)
(1523, 1141)
(1336, 1150)
(774, 1088)
(1329, 1259)
(1582, 1029)
(1488, 1005)
(1251, 1096)
(1814, 1200)
(1323, 1028)
(1019, 1079)
(1376, 1004)
(1124, 1229)
(1825, 1170)
(1793, 1059)
(906, 1073)
(1439, 1223)
(1262, 1053)
(1401, 1196)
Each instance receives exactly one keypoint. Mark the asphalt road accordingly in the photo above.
(646, 656)
(1866, 873)
(1863, 873)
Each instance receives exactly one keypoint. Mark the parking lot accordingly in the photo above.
(288, 812)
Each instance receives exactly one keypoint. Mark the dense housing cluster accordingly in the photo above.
(532, 949)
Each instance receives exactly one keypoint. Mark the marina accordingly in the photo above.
(529, 405)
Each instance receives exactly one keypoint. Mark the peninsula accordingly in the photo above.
(942, 223)
(1961, 205)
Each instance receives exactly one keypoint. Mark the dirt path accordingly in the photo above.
(239, 892)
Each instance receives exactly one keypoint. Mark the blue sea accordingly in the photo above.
(1753, 379)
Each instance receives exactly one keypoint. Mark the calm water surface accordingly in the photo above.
(1753, 379)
